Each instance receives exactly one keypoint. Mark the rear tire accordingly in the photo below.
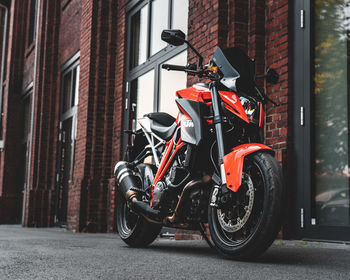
(134, 229)
(247, 226)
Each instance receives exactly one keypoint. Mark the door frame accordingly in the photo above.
(71, 113)
(303, 129)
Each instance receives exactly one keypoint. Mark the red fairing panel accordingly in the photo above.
(233, 104)
(233, 163)
(261, 114)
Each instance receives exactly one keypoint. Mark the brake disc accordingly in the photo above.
(234, 224)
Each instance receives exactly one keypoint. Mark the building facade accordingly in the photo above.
(76, 74)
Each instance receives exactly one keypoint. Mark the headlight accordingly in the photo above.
(250, 108)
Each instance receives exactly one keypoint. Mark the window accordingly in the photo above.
(68, 120)
(148, 87)
(3, 51)
(26, 109)
(31, 23)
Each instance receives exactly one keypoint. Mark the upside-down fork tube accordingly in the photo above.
(233, 163)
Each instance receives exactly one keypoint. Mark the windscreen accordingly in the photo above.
(237, 68)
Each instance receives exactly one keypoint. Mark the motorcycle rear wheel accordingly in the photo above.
(134, 229)
(246, 226)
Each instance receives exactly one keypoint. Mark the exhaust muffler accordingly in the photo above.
(130, 187)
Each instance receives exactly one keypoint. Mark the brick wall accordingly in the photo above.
(98, 30)
(10, 193)
(42, 172)
(69, 29)
(87, 205)
(279, 120)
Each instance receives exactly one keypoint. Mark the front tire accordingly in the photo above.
(247, 225)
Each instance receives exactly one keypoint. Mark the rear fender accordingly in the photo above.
(233, 163)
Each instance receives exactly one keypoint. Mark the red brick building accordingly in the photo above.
(73, 72)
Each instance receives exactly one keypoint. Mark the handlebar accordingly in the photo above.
(174, 67)
(191, 69)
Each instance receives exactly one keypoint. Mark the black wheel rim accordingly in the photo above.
(235, 210)
(127, 219)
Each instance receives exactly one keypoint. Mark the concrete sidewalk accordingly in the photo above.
(51, 253)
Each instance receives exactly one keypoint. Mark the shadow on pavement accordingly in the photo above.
(280, 255)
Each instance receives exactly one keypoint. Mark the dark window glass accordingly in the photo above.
(331, 112)
(32, 16)
(67, 91)
(3, 54)
(70, 88)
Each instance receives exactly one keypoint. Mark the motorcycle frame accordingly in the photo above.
(231, 164)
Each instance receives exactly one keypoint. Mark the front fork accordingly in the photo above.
(220, 141)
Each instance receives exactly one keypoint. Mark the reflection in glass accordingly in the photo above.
(67, 85)
(75, 89)
(331, 112)
(142, 97)
(170, 82)
(139, 24)
(160, 13)
(180, 15)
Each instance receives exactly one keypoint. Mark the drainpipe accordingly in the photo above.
(26, 189)
(4, 40)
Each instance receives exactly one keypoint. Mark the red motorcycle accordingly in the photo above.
(208, 165)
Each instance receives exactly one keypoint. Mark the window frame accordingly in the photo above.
(67, 68)
(72, 112)
(153, 62)
(303, 72)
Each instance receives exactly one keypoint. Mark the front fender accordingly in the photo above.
(233, 163)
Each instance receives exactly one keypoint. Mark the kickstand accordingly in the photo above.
(202, 231)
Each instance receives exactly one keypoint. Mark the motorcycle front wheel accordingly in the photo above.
(248, 222)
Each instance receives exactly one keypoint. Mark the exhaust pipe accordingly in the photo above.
(130, 188)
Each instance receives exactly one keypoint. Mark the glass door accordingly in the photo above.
(68, 120)
(331, 75)
(322, 52)
(66, 168)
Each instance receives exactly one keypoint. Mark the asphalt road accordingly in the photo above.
(55, 254)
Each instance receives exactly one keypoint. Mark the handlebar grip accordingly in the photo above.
(174, 67)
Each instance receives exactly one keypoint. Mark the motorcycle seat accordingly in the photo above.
(163, 124)
(162, 118)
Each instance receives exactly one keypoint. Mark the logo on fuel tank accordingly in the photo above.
(187, 123)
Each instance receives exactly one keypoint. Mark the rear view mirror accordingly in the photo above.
(272, 76)
(173, 37)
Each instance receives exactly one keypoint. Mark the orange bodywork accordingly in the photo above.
(196, 93)
(233, 163)
(261, 114)
(202, 94)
